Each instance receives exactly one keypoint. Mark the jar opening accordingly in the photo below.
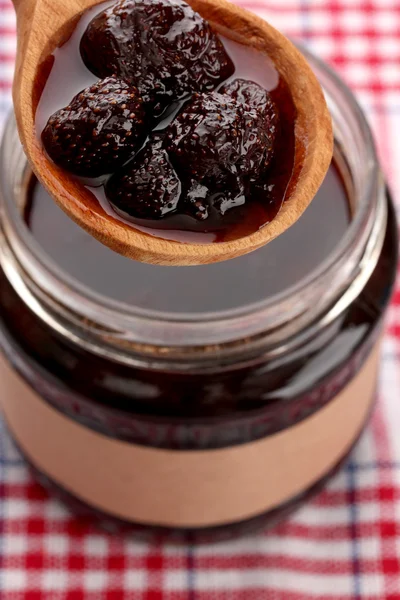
(269, 292)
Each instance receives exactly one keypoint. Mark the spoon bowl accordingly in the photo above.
(43, 25)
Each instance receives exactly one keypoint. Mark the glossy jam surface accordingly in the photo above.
(218, 287)
(251, 205)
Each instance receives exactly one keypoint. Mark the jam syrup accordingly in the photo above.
(66, 75)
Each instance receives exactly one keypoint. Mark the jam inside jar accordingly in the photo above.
(201, 400)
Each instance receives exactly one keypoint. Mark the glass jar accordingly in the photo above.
(206, 423)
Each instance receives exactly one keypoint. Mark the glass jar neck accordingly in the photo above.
(117, 330)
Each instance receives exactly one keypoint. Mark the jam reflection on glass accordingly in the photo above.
(193, 186)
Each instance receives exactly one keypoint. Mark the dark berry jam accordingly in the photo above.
(187, 135)
(227, 403)
(247, 399)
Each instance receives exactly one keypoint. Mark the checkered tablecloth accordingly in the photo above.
(345, 543)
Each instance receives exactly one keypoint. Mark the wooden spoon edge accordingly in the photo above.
(314, 142)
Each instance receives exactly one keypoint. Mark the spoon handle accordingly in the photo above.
(24, 10)
(26, 6)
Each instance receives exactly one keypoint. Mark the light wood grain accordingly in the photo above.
(43, 24)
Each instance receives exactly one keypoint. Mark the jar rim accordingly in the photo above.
(148, 326)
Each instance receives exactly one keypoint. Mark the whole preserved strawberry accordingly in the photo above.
(164, 47)
(215, 136)
(252, 94)
(147, 187)
(101, 128)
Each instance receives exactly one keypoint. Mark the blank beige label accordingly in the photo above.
(186, 488)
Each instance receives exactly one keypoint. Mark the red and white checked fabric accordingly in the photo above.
(343, 545)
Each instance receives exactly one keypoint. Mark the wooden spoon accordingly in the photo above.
(43, 24)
